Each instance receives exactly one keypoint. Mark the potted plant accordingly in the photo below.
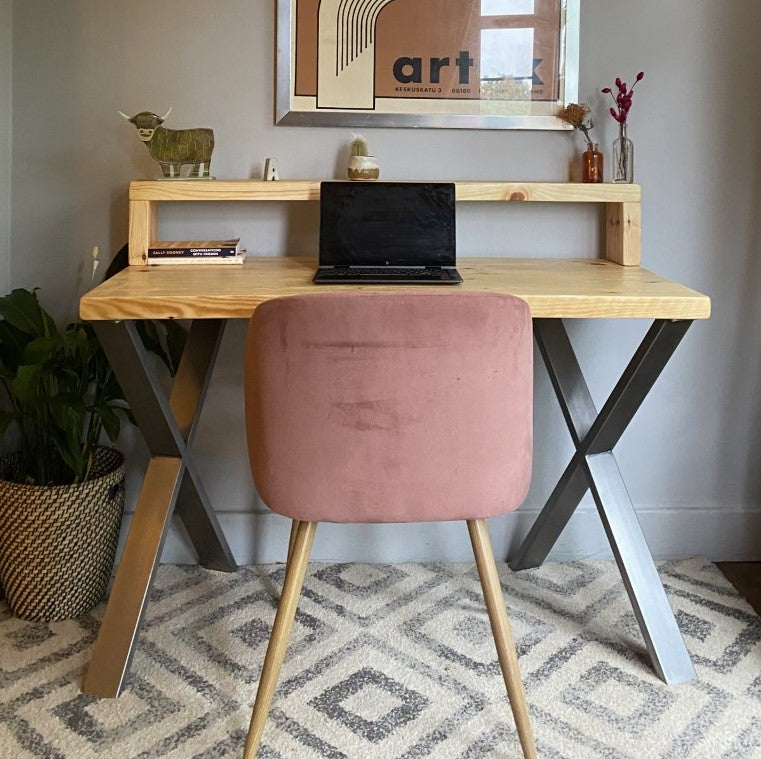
(61, 492)
(362, 166)
(578, 116)
(623, 147)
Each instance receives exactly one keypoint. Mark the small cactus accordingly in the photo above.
(359, 146)
(362, 166)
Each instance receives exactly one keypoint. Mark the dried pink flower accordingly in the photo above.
(623, 100)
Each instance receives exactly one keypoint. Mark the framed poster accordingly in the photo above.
(480, 64)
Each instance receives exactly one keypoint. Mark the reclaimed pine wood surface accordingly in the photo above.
(622, 203)
(623, 233)
(309, 189)
(553, 288)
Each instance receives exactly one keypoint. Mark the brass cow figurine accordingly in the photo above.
(174, 148)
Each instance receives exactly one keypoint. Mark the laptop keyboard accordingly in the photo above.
(391, 271)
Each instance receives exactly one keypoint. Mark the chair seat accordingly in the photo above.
(390, 407)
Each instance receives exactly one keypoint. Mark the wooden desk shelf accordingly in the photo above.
(622, 204)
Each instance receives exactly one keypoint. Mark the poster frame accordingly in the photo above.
(288, 114)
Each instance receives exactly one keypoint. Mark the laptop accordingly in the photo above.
(387, 232)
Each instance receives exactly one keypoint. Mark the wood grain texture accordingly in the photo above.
(143, 226)
(129, 594)
(281, 633)
(553, 288)
(227, 189)
(622, 243)
(292, 539)
(198, 355)
(503, 636)
(623, 233)
(309, 189)
(547, 192)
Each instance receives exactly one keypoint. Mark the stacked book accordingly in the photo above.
(197, 252)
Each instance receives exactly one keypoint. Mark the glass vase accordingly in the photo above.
(623, 158)
(591, 164)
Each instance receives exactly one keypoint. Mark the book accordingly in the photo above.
(195, 249)
(194, 260)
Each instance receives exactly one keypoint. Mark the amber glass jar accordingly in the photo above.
(591, 164)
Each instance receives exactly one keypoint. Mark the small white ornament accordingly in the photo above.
(270, 170)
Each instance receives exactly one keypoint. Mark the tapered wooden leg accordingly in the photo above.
(294, 529)
(281, 632)
(503, 638)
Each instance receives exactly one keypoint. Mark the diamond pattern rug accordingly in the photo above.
(394, 661)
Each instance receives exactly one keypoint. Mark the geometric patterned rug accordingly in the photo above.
(394, 661)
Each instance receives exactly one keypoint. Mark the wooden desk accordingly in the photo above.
(611, 287)
(557, 289)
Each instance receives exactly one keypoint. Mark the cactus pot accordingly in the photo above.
(363, 168)
(58, 542)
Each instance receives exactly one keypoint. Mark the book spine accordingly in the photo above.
(191, 252)
(196, 260)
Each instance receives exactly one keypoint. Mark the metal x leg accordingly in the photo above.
(594, 467)
(168, 426)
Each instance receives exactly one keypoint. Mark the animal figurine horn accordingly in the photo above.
(174, 148)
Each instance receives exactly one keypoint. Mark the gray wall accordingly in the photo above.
(690, 458)
(5, 143)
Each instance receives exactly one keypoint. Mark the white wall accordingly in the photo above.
(5, 142)
(690, 458)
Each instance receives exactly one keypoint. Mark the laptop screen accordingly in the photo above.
(387, 224)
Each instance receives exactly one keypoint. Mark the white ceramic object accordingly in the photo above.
(363, 168)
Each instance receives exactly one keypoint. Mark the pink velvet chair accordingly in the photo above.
(390, 407)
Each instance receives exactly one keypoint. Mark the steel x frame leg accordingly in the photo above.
(594, 467)
(171, 480)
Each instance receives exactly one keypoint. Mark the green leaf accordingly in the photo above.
(110, 420)
(71, 455)
(12, 344)
(65, 404)
(48, 323)
(39, 350)
(62, 389)
(74, 339)
(22, 309)
(68, 400)
(26, 385)
(110, 391)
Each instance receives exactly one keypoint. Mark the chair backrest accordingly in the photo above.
(390, 406)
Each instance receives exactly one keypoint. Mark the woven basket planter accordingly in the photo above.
(58, 542)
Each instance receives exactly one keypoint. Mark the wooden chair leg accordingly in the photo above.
(503, 638)
(294, 529)
(281, 632)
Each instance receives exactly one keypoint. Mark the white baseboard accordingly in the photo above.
(718, 534)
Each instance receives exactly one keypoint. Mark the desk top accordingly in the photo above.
(553, 288)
